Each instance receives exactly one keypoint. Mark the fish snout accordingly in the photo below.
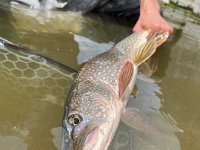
(67, 142)
(87, 140)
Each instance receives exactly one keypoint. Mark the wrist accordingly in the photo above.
(149, 7)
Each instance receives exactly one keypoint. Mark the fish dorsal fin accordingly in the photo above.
(125, 77)
(144, 52)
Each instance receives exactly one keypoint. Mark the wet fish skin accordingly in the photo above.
(101, 90)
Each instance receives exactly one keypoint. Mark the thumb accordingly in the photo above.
(137, 27)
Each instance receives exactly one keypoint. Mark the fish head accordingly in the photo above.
(87, 125)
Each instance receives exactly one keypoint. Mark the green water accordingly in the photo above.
(33, 91)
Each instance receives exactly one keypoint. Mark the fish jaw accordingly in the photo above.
(100, 136)
(67, 142)
(94, 137)
(97, 139)
(98, 120)
(87, 142)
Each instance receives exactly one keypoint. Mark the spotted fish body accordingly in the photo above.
(101, 90)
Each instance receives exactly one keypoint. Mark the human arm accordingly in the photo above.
(150, 18)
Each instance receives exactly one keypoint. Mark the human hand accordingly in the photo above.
(150, 19)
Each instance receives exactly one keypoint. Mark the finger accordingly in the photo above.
(167, 28)
(137, 27)
(162, 31)
(170, 30)
(152, 32)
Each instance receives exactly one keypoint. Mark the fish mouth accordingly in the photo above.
(85, 142)
(67, 142)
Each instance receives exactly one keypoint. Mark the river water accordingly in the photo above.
(33, 90)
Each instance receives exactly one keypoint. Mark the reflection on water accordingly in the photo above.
(33, 91)
(89, 48)
(37, 29)
(149, 103)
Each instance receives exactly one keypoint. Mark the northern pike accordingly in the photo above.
(98, 96)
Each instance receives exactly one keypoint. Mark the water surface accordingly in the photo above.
(33, 91)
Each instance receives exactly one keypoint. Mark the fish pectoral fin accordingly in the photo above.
(125, 77)
(145, 68)
(135, 91)
(144, 52)
(134, 119)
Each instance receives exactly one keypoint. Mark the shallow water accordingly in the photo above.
(33, 91)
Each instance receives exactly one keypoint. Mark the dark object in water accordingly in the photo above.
(128, 9)
(28, 51)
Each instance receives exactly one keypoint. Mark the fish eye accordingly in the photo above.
(74, 119)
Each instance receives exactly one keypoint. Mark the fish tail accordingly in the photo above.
(146, 50)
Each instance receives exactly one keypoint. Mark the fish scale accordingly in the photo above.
(81, 99)
(105, 68)
(100, 91)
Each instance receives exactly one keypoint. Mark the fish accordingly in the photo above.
(99, 93)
